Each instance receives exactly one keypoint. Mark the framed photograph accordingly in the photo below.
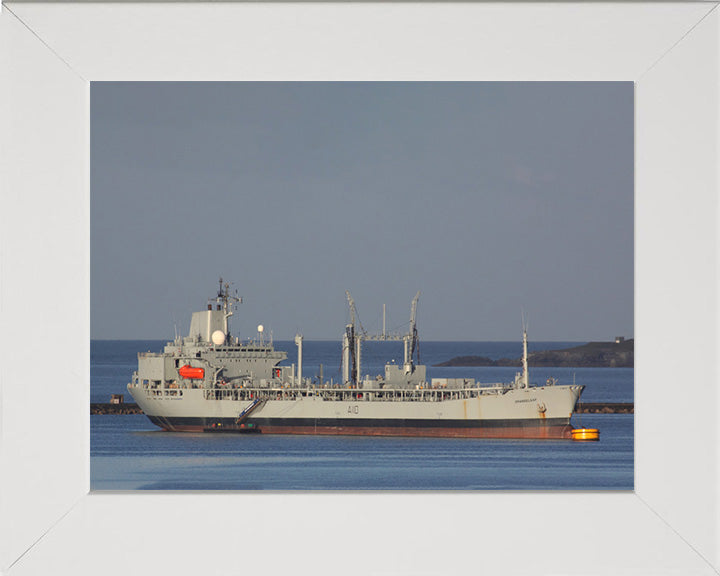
(330, 208)
(49, 55)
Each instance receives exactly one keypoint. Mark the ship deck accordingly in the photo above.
(334, 393)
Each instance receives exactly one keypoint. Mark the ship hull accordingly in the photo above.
(545, 429)
(211, 382)
(534, 413)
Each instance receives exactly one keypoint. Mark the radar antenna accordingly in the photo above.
(226, 301)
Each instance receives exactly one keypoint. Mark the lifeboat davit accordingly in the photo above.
(188, 371)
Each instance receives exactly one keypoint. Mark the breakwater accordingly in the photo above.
(107, 408)
(584, 408)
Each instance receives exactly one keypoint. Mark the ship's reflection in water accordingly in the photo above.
(128, 453)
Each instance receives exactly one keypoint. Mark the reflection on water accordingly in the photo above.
(127, 455)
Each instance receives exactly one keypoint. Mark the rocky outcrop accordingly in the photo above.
(605, 408)
(591, 355)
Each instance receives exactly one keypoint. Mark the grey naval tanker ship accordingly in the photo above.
(211, 381)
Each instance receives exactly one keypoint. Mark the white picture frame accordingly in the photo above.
(50, 523)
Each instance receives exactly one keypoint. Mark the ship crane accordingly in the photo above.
(352, 344)
(412, 343)
(355, 334)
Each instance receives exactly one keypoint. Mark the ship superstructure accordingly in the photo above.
(212, 381)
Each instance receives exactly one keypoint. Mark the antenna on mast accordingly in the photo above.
(225, 303)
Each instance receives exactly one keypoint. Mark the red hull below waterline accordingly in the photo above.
(544, 433)
(504, 430)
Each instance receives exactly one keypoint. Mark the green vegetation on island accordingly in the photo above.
(619, 354)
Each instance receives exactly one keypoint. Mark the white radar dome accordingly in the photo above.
(218, 337)
(261, 327)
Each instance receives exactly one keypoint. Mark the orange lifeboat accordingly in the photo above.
(188, 371)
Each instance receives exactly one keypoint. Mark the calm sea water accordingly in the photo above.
(129, 453)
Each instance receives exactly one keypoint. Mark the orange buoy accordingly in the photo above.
(188, 371)
(586, 434)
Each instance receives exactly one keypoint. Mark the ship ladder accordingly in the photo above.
(257, 403)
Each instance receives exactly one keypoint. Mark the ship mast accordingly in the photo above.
(526, 376)
(384, 334)
(227, 301)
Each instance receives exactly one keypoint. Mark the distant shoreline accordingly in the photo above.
(591, 355)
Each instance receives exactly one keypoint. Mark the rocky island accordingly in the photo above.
(618, 354)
